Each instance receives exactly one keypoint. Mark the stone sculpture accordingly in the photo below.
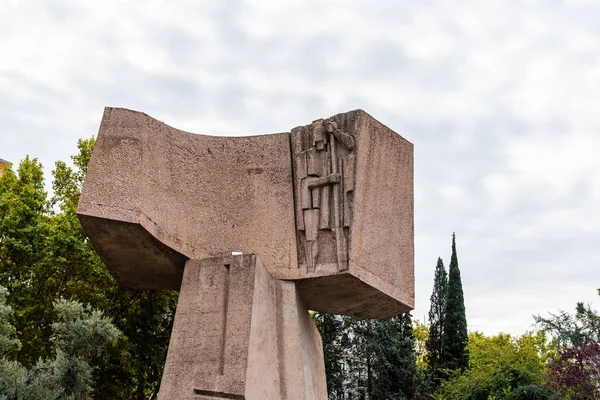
(324, 171)
(322, 217)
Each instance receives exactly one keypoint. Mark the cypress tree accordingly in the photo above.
(433, 345)
(454, 327)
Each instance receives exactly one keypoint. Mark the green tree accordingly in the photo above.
(8, 343)
(25, 229)
(574, 370)
(359, 357)
(455, 336)
(331, 328)
(79, 334)
(573, 329)
(44, 254)
(133, 368)
(394, 359)
(501, 367)
(424, 387)
(381, 358)
(421, 335)
(436, 320)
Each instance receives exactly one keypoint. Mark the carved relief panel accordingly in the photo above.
(324, 186)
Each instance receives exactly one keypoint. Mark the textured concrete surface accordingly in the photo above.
(375, 207)
(201, 196)
(327, 208)
(329, 205)
(239, 333)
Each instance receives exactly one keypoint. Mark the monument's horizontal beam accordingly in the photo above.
(202, 196)
(327, 205)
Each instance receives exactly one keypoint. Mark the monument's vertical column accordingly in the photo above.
(208, 349)
(241, 334)
(301, 356)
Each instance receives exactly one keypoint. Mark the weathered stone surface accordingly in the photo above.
(239, 333)
(338, 221)
(328, 208)
(201, 196)
(354, 216)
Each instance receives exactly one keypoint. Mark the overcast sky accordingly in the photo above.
(500, 98)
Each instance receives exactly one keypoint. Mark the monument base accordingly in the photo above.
(241, 334)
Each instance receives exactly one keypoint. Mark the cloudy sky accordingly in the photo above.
(500, 98)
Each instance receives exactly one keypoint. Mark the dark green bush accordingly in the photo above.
(534, 392)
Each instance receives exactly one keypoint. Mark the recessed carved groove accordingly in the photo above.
(224, 319)
(210, 395)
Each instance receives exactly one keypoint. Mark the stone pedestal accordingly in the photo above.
(239, 333)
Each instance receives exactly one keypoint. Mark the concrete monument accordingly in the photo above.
(254, 231)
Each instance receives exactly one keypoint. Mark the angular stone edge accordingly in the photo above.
(128, 243)
(283, 356)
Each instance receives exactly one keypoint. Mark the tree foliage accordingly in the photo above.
(394, 359)
(573, 329)
(381, 358)
(331, 328)
(575, 372)
(455, 336)
(44, 255)
(8, 343)
(359, 357)
(498, 366)
(421, 335)
(436, 319)
(25, 235)
(79, 334)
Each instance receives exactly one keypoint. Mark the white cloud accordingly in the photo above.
(559, 163)
(451, 192)
(500, 99)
